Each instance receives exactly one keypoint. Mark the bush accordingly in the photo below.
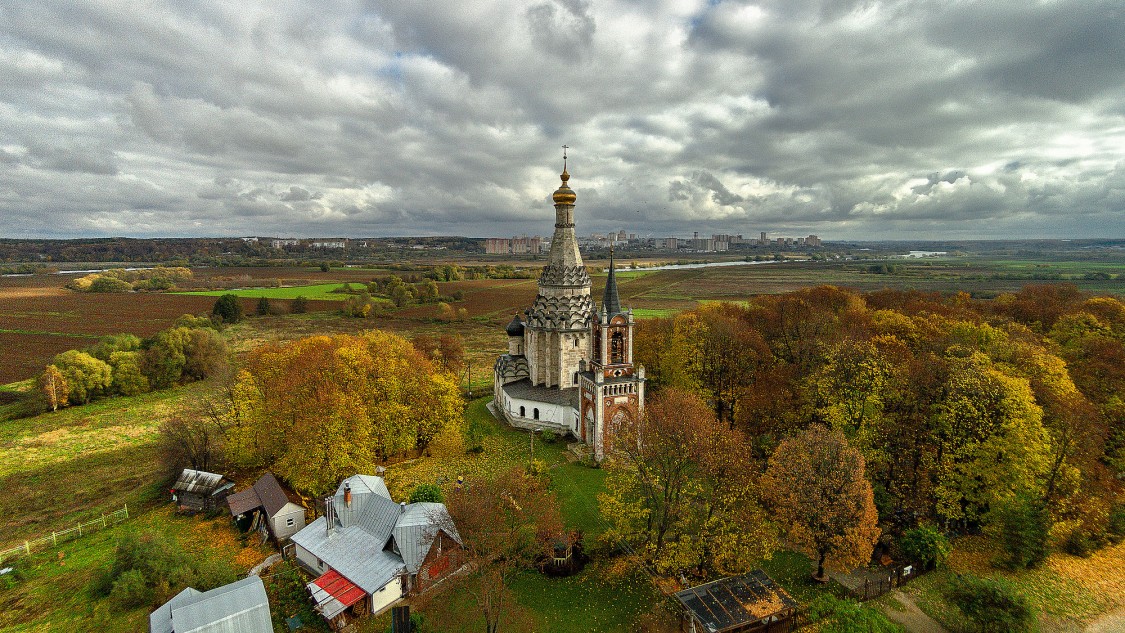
(148, 569)
(300, 305)
(1115, 531)
(846, 616)
(426, 493)
(131, 590)
(991, 605)
(110, 284)
(1022, 526)
(264, 307)
(228, 309)
(925, 545)
(549, 437)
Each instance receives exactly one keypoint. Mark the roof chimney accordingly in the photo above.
(402, 506)
(348, 495)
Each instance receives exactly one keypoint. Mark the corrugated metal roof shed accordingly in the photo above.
(240, 607)
(198, 482)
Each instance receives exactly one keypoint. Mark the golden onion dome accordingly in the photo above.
(564, 194)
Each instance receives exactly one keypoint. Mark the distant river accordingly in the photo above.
(709, 265)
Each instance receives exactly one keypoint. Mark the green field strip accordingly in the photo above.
(319, 292)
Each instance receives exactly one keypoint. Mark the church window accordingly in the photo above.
(536, 413)
(576, 341)
(522, 414)
(616, 348)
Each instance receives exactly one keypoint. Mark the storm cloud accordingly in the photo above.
(851, 120)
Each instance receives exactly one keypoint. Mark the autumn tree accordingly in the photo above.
(87, 376)
(52, 384)
(680, 490)
(193, 435)
(817, 487)
(322, 408)
(506, 527)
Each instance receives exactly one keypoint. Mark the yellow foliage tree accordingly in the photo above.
(323, 408)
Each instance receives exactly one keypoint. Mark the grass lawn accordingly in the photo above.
(53, 591)
(1066, 591)
(324, 292)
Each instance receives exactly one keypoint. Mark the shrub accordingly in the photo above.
(426, 493)
(300, 305)
(991, 605)
(925, 545)
(110, 284)
(132, 590)
(1115, 530)
(148, 569)
(1022, 526)
(549, 437)
(228, 309)
(263, 307)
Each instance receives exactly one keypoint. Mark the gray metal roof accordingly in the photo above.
(198, 481)
(353, 552)
(160, 621)
(356, 546)
(524, 390)
(240, 607)
(417, 526)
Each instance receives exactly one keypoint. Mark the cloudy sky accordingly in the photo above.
(851, 120)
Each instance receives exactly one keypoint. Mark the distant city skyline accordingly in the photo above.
(849, 120)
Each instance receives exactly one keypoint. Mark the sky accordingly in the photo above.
(849, 120)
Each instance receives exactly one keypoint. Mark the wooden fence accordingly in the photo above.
(55, 538)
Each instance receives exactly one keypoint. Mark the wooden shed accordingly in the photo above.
(752, 602)
(275, 510)
(200, 491)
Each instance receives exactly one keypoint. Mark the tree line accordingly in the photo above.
(127, 365)
(1003, 415)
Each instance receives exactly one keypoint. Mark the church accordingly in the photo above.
(569, 367)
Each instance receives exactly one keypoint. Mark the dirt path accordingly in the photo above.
(1113, 622)
(913, 619)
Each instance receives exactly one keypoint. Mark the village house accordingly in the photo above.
(241, 607)
(200, 491)
(368, 552)
(275, 511)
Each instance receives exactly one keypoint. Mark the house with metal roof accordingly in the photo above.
(275, 511)
(368, 552)
(199, 491)
(240, 607)
(752, 602)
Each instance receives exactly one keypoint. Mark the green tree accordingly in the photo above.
(87, 376)
(1022, 525)
(205, 354)
(925, 545)
(128, 379)
(228, 309)
(300, 305)
(263, 308)
(817, 487)
(426, 492)
(164, 359)
(114, 343)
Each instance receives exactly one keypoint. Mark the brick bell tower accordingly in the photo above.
(612, 389)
